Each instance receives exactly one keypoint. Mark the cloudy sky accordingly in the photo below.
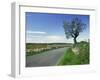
(48, 28)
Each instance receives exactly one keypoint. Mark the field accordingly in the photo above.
(37, 48)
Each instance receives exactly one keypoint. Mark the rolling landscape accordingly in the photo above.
(57, 39)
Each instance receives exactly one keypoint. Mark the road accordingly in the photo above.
(48, 58)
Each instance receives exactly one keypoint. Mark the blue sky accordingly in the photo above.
(48, 28)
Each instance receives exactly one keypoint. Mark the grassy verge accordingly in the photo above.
(70, 58)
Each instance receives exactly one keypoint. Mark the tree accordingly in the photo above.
(73, 28)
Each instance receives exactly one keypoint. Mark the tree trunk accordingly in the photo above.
(75, 41)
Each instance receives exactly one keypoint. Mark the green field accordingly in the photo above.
(80, 56)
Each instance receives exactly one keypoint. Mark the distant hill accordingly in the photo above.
(45, 45)
(50, 43)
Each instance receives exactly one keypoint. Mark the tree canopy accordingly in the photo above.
(73, 28)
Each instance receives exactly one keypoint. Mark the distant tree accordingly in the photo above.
(73, 28)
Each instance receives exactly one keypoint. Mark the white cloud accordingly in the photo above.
(43, 37)
(47, 39)
(36, 32)
(56, 38)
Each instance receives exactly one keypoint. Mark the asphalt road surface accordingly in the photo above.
(48, 58)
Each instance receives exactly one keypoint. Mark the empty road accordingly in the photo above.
(48, 58)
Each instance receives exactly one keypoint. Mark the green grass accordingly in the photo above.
(70, 58)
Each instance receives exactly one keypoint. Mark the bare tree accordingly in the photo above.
(73, 28)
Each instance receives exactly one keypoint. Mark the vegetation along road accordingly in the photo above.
(48, 58)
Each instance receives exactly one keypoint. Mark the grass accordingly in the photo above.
(30, 48)
(35, 45)
(70, 58)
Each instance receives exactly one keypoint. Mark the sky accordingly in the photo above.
(48, 27)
